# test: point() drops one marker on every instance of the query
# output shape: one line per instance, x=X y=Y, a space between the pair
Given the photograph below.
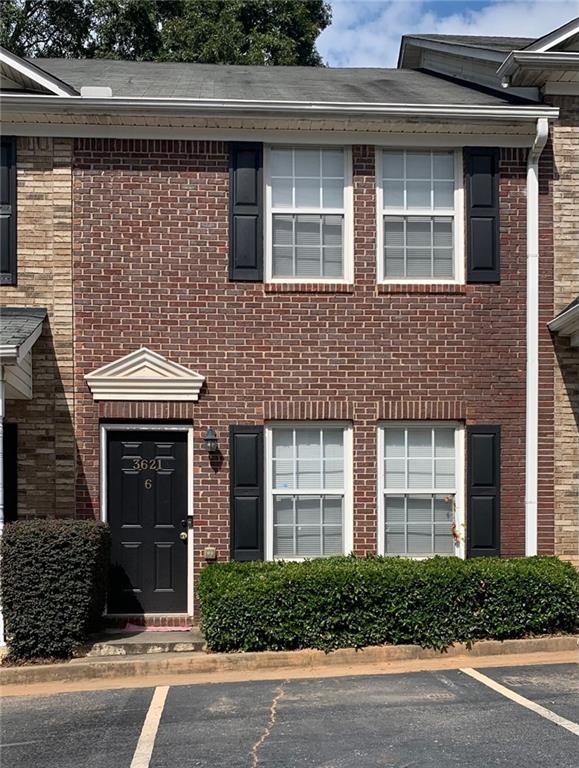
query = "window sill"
x=422 y=288
x=308 y=287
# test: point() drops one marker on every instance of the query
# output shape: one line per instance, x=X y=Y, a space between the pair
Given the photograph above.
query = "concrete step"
x=114 y=643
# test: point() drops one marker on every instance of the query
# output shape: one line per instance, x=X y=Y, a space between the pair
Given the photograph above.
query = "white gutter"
x=78 y=105
x=532 y=383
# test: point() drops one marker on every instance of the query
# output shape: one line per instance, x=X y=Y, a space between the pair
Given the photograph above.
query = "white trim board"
x=144 y=375
x=36 y=75
x=154 y=427
x=523 y=138
x=554 y=38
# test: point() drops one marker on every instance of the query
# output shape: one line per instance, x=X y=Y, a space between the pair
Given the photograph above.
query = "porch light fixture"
x=210 y=441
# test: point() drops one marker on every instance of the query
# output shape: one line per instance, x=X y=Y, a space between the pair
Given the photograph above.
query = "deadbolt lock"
x=183 y=536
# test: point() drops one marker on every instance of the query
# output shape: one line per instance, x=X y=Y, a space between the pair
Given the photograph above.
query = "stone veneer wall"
x=566 y=242
x=46 y=446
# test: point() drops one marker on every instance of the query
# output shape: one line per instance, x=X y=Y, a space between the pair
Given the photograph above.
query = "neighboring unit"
x=546 y=69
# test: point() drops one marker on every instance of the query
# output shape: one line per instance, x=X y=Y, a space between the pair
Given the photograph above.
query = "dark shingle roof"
x=215 y=81
x=489 y=43
x=18 y=323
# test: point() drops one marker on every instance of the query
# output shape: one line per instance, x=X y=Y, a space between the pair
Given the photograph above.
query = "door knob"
x=183 y=536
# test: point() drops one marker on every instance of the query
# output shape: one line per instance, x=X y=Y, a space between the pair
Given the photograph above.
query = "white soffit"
x=144 y=375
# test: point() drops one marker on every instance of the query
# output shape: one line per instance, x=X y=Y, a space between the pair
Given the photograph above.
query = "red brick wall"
x=151 y=268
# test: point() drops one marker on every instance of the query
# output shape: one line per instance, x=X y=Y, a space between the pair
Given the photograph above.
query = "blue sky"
x=366 y=33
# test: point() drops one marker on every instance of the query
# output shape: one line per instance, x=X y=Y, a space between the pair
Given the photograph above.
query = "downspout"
x=532 y=384
x=2 y=397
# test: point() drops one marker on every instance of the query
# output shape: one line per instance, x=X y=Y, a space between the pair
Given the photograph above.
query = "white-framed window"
x=420 y=489
x=309 y=490
x=420 y=216
x=308 y=220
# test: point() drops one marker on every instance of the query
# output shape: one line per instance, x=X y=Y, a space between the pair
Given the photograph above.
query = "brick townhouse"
x=286 y=312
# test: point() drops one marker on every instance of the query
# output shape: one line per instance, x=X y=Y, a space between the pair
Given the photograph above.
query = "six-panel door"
x=147 y=514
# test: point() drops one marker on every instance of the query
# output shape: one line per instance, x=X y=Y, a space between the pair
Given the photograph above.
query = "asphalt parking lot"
x=439 y=718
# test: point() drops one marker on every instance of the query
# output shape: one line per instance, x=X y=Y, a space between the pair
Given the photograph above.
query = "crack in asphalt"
x=279 y=693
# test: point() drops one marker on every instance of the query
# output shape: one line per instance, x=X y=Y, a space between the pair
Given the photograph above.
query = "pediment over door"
x=144 y=375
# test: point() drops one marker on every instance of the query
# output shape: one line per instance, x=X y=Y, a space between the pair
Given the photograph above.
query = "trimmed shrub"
x=347 y=602
x=53 y=585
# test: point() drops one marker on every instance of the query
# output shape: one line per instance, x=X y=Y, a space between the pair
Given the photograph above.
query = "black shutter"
x=245 y=211
x=8 y=211
x=482 y=200
x=483 y=491
x=10 y=461
x=246 y=495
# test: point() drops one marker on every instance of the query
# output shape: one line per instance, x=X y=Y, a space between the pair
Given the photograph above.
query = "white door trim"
x=188 y=428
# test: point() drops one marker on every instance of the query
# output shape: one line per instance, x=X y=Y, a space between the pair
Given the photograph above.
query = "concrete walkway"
x=115 y=643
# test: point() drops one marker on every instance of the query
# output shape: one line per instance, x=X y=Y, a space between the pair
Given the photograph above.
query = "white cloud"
x=366 y=33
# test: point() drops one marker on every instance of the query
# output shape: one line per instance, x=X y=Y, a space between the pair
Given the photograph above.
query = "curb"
x=103 y=668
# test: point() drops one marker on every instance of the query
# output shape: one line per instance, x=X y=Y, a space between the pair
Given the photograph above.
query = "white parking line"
x=537 y=708
x=144 y=750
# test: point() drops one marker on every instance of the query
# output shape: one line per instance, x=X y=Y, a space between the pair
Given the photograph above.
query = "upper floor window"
x=419 y=232
x=308 y=198
x=309 y=506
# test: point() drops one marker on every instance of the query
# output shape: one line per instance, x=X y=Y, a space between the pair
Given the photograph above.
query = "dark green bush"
x=347 y=602
x=53 y=584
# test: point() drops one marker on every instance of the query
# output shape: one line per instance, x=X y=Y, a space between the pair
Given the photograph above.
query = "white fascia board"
x=456 y=49
x=8 y=354
x=531 y=60
x=567 y=323
x=12 y=354
x=523 y=137
x=209 y=107
x=554 y=38
x=43 y=79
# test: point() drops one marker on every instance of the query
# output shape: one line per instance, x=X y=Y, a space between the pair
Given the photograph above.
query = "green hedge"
x=53 y=584
x=347 y=602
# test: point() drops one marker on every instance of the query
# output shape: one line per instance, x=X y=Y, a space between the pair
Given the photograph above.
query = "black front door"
x=147 y=514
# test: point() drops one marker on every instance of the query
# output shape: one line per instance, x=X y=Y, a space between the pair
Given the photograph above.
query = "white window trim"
x=459 y=499
x=347 y=212
x=348 y=530
x=456 y=213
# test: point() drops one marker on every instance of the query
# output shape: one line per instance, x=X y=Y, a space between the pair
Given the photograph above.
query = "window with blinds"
x=307 y=213
x=419 y=486
x=308 y=489
x=418 y=200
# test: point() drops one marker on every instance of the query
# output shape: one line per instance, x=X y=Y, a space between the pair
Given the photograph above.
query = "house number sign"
x=146 y=465
x=141 y=464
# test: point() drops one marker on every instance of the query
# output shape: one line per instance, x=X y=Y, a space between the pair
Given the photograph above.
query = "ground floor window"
x=309 y=490
x=420 y=497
